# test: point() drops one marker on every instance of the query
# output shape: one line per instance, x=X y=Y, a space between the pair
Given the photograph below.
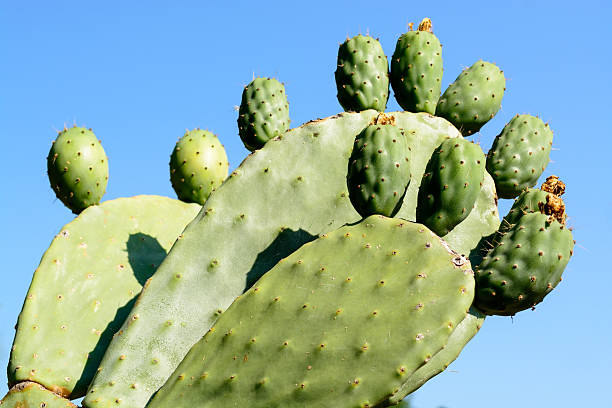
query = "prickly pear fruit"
x=474 y=98
x=527 y=263
x=416 y=69
x=29 y=394
x=451 y=183
x=314 y=332
x=362 y=75
x=78 y=168
x=519 y=155
x=198 y=165
x=85 y=286
x=263 y=113
x=379 y=170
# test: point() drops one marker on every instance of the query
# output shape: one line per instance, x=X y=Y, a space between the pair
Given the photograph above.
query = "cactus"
x=474 y=98
x=78 y=168
x=314 y=332
x=451 y=184
x=527 y=263
x=519 y=155
x=85 y=285
x=379 y=169
x=30 y=394
x=263 y=113
x=198 y=165
x=281 y=197
x=362 y=75
x=297 y=333
x=416 y=69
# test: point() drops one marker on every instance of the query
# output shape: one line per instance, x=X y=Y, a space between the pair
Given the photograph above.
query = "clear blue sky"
x=140 y=73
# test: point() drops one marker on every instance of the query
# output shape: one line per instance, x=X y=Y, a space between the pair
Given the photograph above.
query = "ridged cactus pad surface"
x=282 y=196
x=344 y=321
x=85 y=285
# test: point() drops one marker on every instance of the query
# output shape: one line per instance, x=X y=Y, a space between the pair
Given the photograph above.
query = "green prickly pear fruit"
x=78 y=168
x=313 y=332
x=362 y=75
x=451 y=183
x=263 y=113
x=519 y=155
x=198 y=165
x=379 y=169
x=416 y=69
x=474 y=98
x=527 y=262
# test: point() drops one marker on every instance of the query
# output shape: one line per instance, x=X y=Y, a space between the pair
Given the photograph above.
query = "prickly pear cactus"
x=474 y=98
x=263 y=113
x=78 y=168
x=362 y=75
x=316 y=332
x=281 y=197
x=416 y=69
x=85 y=285
x=198 y=165
x=30 y=394
x=379 y=170
x=519 y=155
x=527 y=263
x=451 y=184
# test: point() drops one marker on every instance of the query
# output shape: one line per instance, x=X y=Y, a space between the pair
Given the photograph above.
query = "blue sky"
x=140 y=73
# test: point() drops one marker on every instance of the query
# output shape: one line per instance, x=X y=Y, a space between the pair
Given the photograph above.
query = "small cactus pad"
x=362 y=75
x=78 y=168
x=379 y=170
x=318 y=332
x=263 y=113
x=416 y=70
x=85 y=285
x=451 y=184
x=198 y=165
x=31 y=395
x=279 y=198
x=526 y=264
x=474 y=98
x=519 y=155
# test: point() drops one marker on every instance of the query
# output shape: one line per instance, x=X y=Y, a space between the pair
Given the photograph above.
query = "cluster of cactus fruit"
x=345 y=263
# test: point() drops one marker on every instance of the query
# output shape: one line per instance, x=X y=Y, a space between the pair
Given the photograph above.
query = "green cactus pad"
x=451 y=184
x=78 y=168
x=280 y=197
x=474 y=98
x=198 y=165
x=379 y=170
x=416 y=70
x=85 y=285
x=31 y=395
x=519 y=155
x=362 y=75
x=263 y=113
x=525 y=266
x=341 y=322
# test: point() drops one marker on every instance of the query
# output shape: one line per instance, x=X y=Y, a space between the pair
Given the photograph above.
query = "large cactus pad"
x=85 y=285
x=344 y=321
x=279 y=198
x=32 y=395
